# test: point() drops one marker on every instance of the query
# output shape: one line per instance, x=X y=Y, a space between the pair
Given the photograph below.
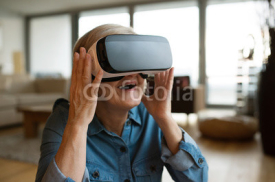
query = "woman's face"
x=125 y=93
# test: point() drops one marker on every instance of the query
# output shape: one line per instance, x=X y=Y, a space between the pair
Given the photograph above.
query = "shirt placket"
x=124 y=153
x=126 y=131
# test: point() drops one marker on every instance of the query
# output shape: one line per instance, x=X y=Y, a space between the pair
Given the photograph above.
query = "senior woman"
x=127 y=137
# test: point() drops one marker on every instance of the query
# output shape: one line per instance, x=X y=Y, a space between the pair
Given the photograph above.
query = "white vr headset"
x=126 y=54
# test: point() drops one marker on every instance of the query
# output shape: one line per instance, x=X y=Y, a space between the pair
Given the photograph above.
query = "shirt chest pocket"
x=148 y=170
x=98 y=173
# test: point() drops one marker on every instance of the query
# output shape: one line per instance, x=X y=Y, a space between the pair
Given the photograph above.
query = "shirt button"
x=122 y=149
x=126 y=180
x=153 y=168
x=128 y=123
x=96 y=174
x=200 y=161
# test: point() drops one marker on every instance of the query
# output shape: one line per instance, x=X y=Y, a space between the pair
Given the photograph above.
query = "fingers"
x=73 y=83
x=157 y=79
x=73 y=77
x=98 y=77
x=94 y=87
x=170 y=79
x=81 y=64
x=167 y=76
x=75 y=62
x=162 y=77
x=81 y=102
x=87 y=69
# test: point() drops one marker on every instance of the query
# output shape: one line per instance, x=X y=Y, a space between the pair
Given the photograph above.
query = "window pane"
x=91 y=19
x=50 y=45
x=173 y=22
x=228 y=25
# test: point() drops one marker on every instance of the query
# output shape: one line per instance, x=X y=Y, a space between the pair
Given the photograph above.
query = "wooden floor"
x=228 y=161
x=10 y=170
x=236 y=161
x=14 y=171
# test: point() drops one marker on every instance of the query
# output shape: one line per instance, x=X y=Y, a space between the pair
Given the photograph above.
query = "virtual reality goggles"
x=126 y=54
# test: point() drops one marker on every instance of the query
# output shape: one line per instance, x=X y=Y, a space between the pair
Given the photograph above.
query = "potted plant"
x=266 y=91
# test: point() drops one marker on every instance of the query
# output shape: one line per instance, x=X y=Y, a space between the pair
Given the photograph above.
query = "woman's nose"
x=132 y=76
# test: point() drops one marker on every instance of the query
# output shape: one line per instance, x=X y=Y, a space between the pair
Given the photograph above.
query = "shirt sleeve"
x=51 y=140
x=188 y=164
x=53 y=173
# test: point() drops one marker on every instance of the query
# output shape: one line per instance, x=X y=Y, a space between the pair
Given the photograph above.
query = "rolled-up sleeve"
x=47 y=170
x=188 y=164
x=53 y=173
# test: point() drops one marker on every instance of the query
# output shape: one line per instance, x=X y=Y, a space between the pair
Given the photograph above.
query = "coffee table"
x=33 y=116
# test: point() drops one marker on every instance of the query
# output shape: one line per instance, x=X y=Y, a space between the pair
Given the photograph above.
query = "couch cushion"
x=51 y=85
x=7 y=101
x=21 y=83
x=37 y=99
x=5 y=83
x=10 y=116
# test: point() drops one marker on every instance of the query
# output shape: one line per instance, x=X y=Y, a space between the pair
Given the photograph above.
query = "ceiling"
x=38 y=7
x=34 y=7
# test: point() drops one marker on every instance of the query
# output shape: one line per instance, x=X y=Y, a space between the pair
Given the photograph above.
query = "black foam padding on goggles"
x=144 y=76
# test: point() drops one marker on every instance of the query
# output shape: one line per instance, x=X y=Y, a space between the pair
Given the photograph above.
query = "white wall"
x=13 y=40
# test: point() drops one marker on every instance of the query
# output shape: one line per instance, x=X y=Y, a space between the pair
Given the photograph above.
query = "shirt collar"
x=134 y=116
x=96 y=126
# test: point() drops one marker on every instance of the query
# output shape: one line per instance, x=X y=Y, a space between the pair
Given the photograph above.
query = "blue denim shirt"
x=137 y=156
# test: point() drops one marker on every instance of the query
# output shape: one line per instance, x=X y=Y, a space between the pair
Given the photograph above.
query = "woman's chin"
x=131 y=96
x=130 y=103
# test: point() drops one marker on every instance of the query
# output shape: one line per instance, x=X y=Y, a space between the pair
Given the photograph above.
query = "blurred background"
x=222 y=54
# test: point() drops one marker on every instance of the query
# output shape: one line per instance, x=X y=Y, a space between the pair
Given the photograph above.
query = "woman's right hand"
x=82 y=101
x=71 y=155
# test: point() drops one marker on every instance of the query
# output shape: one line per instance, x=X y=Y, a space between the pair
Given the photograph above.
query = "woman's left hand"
x=159 y=104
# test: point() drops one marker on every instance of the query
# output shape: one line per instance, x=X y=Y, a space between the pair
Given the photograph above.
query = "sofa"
x=22 y=89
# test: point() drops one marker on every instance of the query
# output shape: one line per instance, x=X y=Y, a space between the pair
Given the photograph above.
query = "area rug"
x=17 y=147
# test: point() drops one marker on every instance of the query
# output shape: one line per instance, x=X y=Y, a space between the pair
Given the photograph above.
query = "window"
x=91 y=19
x=178 y=22
x=50 y=45
x=228 y=25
